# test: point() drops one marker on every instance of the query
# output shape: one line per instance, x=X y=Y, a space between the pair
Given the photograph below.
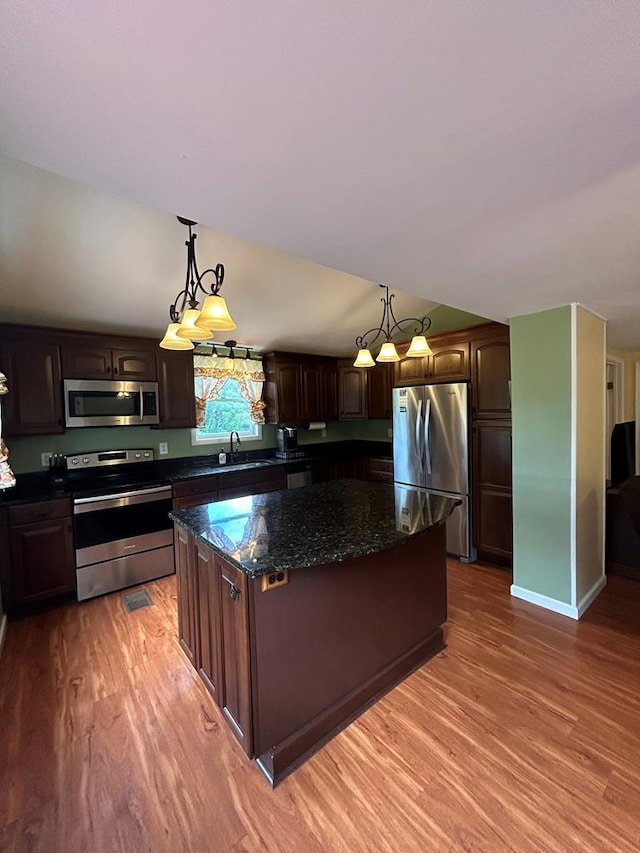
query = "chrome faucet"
x=231 y=451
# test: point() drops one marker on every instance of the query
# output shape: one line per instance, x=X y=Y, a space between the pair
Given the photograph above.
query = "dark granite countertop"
x=314 y=525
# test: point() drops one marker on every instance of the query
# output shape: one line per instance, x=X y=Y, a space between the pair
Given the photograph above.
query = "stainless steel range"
x=123 y=535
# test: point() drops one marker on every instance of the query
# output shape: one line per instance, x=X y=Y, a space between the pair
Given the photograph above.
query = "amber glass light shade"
x=188 y=329
x=215 y=315
x=388 y=352
x=172 y=341
x=419 y=347
x=364 y=359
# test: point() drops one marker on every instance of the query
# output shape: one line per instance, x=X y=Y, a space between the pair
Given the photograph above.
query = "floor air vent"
x=135 y=600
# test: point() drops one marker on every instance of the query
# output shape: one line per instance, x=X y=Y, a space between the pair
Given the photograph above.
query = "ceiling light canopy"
x=388 y=327
x=189 y=322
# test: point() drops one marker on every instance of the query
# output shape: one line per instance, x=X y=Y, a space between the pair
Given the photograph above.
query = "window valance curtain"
x=211 y=374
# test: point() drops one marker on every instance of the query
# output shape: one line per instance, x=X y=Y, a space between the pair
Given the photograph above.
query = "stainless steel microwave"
x=100 y=403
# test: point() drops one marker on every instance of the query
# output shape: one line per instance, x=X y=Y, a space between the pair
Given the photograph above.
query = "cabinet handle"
x=115 y=370
x=108 y=369
x=234 y=592
x=43 y=514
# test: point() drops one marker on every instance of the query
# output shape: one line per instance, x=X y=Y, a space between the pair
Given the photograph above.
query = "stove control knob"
x=86 y=460
x=75 y=460
x=147 y=455
x=138 y=456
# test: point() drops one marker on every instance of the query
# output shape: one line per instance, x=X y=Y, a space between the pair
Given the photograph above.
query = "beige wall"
x=590 y=450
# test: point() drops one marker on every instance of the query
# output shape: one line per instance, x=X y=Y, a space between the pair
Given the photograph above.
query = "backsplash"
x=25 y=451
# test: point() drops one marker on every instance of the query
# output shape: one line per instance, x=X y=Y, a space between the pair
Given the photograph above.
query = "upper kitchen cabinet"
x=31 y=364
x=86 y=361
x=299 y=388
x=176 y=390
x=352 y=391
x=449 y=361
x=491 y=375
x=379 y=383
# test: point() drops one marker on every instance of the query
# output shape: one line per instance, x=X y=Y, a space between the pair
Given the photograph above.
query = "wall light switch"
x=390 y=432
x=324 y=433
x=163 y=448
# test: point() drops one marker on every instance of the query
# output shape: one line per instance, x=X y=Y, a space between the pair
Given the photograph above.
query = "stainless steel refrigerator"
x=431 y=452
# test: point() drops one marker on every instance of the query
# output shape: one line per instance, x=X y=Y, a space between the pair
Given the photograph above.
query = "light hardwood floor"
x=524 y=735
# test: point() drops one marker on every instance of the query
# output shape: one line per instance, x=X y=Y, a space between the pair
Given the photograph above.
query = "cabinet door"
x=176 y=389
x=379 y=383
x=34 y=403
x=210 y=663
x=134 y=364
x=311 y=373
x=449 y=363
x=491 y=379
x=236 y=696
x=187 y=581
x=329 y=392
x=410 y=371
x=288 y=380
x=42 y=561
x=352 y=391
x=492 y=525
x=83 y=361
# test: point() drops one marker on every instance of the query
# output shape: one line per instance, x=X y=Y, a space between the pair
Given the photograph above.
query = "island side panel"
x=336 y=636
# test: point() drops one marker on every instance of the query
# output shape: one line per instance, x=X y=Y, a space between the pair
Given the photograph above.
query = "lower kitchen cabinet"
x=381 y=471
x=187 y=582
x=41 y=557
x=236 y=683
x=209 y=662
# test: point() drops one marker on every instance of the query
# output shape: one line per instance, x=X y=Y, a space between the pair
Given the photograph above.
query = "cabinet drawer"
x=196 y=486
x=381 y=477
x=39 y=511
x=383 y=465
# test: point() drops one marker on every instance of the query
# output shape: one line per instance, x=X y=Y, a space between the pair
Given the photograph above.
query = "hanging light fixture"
x=418 y=348
x=188 y=322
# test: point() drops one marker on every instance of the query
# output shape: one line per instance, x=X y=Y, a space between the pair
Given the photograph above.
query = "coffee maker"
x=287 y=438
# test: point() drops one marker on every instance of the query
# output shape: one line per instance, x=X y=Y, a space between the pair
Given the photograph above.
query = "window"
x=228 y=398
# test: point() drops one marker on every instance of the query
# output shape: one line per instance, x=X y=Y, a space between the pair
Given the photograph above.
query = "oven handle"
x=137 y=496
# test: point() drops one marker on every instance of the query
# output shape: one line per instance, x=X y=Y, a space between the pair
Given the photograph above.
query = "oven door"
x=112 y=526
x=110 y=403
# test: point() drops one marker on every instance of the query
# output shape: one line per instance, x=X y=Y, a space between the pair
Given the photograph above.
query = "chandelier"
x=418 y=348
x=189 y=322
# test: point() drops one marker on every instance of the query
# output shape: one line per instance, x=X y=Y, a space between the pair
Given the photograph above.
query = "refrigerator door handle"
x=427 y=449
x=418 y=435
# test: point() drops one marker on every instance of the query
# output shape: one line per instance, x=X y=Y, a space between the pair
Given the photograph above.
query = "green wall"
x=541 y=409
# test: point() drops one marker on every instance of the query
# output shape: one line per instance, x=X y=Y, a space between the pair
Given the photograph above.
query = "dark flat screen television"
x=623 y=452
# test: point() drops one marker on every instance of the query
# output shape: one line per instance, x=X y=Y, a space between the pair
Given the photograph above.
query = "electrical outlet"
x=275 y=579
x=163 y=448
x=324 y=433
x=44 y=458
x=390 y=432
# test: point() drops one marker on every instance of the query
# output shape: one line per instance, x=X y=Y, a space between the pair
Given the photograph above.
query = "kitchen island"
x=300 y=608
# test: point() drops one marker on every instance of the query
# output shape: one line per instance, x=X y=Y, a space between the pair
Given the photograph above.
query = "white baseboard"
x=591 y=596
x=544 y=601
x=3 y=630
x=560 y=606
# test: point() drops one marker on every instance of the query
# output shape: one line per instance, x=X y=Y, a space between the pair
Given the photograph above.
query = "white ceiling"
x=484 y=155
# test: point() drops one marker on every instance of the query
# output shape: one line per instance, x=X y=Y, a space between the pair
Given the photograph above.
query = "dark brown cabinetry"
x=199 y=490
x=299 y=388
x=492 y=511
x=491 y=446
x=32 y=368
x=176 y=389
x=36 y=360
x=209 y=662
x=228 y=484
x=379 y=382
x=42 y=566
x=449 y=362
x=86 y=361
x=234 y=612
x=381 y=471
x=352 y=391
x=187 y=583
